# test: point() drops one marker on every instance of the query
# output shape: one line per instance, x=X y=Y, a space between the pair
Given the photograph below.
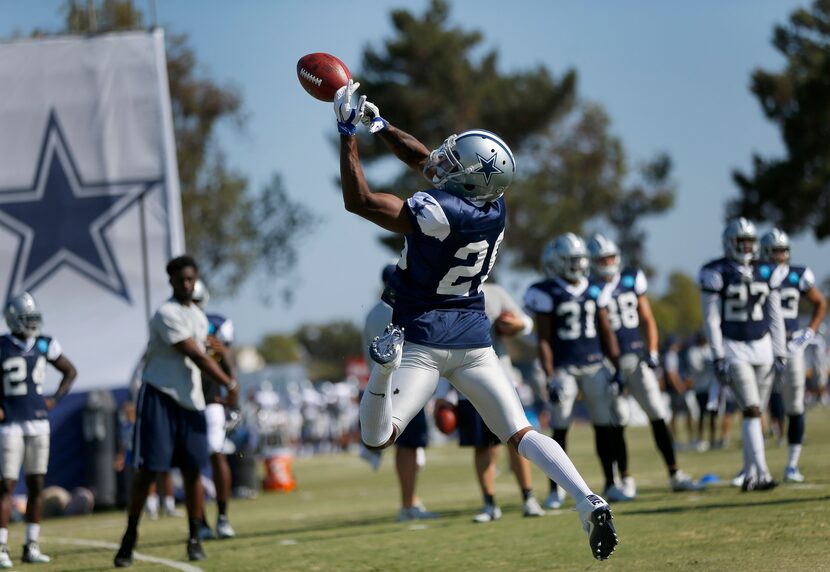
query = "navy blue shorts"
x=472 y=431
x=166 y=434
x=415 y=435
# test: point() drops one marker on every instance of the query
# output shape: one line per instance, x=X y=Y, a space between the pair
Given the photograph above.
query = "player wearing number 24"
x=742 y=318
x=24 y=426
x=452 y=233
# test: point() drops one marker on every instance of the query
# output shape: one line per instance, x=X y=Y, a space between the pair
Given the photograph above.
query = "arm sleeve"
x=428 y=215
x=171 y=325
x=710 y=280
x=55 y=350
x=776 y=326
x=778 y=275
x=711 y=322
x=537 y=301
x=604 y=298
x=640 y=283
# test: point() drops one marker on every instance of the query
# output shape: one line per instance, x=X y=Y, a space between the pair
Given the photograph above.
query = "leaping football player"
x=742 y=319
x=452 y=233
x=629 y=311
x=799 y=281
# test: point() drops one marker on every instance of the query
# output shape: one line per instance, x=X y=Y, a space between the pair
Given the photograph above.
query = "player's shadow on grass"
x=721 y=505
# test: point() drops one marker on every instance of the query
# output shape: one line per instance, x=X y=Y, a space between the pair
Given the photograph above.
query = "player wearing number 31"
x=452 y=233
x=743 y=321
x=24 y=426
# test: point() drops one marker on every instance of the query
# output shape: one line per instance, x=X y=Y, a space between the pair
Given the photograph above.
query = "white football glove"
x=372 y=119
x=800 y=340
x=348 y=114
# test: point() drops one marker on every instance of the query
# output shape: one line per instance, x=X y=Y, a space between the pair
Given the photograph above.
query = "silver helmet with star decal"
x=476 y=165
x=23 y=316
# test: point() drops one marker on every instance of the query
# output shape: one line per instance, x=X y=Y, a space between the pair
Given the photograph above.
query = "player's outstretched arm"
x=402 y=144
x=208 y=367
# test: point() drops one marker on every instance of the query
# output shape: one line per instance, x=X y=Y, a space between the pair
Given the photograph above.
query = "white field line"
x=112 y=546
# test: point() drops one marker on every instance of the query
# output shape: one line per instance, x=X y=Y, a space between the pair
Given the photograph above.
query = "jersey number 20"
x=460 y=279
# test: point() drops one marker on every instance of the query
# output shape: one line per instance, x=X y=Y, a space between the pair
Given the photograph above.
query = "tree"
x=280 y=348
x=794 y=191
x=678 y=310
x=328 y=346
x=434 y=79
x=230 y=229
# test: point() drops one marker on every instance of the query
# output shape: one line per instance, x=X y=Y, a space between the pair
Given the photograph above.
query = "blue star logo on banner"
x=63 y=220
x=487 y=167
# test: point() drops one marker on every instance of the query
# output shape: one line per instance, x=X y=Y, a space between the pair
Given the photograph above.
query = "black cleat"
x=124 y=556
x=597 y=521
x=195 y=550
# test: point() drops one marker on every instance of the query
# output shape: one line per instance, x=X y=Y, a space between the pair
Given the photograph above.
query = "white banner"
x=89 y=195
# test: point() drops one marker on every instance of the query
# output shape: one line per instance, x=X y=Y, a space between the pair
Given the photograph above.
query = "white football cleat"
x=595 y=515
x=615 y=494
x=387 y=348
x=5 y=559
x=532 y=508
x=738 y=480
x=372 y=457
x=793 y=475
x=681 y=482
x=489 y=513
x=33 y=555
x=629 y=487
x=554 y=501
x=415 y=512
x=224 y=528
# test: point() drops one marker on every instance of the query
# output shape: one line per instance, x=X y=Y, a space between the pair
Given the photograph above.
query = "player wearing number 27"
x=452 y=233
x=24 y=426
x=742 y=317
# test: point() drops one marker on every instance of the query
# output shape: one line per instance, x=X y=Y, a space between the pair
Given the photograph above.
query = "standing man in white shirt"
x=170 y=425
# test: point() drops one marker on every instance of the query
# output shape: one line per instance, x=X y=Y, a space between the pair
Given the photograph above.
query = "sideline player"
x=628 y=311
x=799 y=281
x=742 y=318
x=170 y=425
x=24 y=425
x=571 y=334
x=219 y=340
x=452 y=232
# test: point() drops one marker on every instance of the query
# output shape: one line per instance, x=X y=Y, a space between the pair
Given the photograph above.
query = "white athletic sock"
x=376 y=408
x=793 y=456
x=152 y=503
x=32 y=532
x=546 y=454
x=4 y=536
x=169 y=503
x=746 y=444
x=755 y=435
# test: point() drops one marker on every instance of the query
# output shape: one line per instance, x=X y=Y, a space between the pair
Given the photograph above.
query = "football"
x=321 y=75
x=445 y=419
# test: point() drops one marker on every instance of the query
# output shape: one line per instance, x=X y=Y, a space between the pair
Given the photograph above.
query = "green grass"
x=342 y=517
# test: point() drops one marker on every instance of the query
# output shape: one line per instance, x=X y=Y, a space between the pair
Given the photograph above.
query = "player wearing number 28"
x=742 y=317
x=24 y=426
x=452 y=233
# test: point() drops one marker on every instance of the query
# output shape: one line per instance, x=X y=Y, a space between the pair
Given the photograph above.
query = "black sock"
x=223 y=508
x=490 y=500
x=561 y=437
x=604 y=441
x=195 y=524
x=664 y=441
x=132 y=525
x=527 y=493
x=620 y=450
x=795 y=430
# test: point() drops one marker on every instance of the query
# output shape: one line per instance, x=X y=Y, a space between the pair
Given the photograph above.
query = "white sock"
x=169 y=503
x=755 y=434
x=746 y=443
x=152 y=503
x=793 y=456
x=376 y=408
x=546 y=454
x=4 y=536
x=32 y=532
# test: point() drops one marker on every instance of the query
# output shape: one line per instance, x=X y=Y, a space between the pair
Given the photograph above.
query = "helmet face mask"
x=605 y=257
x=740 y=241
x=566 y=257
x=476 y=165
x=23 y=315
x=201 y=295
x=775 y=246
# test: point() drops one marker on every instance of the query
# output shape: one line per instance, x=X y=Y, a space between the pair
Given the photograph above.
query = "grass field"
x=342 y=517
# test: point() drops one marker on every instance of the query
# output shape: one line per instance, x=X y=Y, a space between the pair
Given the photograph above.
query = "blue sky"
x=673 y=76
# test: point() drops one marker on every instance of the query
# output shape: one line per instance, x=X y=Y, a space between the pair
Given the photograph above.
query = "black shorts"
x=415 y=435
x=167 y=435
x=472 y=431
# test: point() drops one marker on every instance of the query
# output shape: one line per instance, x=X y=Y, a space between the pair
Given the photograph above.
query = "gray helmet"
x=566 y=257
x=600 y=247
x=23 y=316
x=475 y=165
x=201 y=295
x=776 y=239
x=736 y=230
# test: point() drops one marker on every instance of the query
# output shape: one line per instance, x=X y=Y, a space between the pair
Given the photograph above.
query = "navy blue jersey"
x=573 y=315
x=744 y=295
x=221 y=328
x=623 y=308
x=436 y=289
x=799 y=280
x=24 y=371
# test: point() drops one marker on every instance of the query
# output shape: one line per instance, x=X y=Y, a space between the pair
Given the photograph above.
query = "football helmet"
x=23 y=316
x=736 y=232
x=600 y=247
x=566 y=257
x=776 y=239
x=201 y=295
x=475 y=165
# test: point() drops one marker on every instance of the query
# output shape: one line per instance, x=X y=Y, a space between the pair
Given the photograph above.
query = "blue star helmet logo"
x=594 y=291
x=487 y=167
x=63 y=220
x=765 y=271
x=793 y=277
x=628 y=281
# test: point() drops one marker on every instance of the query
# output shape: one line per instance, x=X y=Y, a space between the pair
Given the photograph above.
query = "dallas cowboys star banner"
x=89 y=198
